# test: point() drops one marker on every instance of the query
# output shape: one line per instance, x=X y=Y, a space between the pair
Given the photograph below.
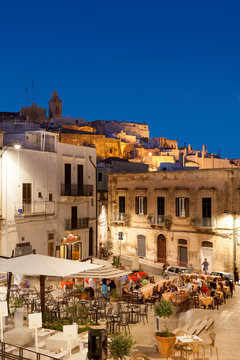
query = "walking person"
x=205 y=266
x=236 y=276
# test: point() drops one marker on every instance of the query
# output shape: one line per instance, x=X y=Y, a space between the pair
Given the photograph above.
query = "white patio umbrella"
x=41 y=265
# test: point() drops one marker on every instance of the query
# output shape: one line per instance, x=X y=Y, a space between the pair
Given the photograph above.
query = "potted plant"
x=17 y=303
x=164 y=309
x=120 y=345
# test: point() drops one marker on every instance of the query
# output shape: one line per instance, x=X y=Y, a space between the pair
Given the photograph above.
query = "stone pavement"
x=226 y=326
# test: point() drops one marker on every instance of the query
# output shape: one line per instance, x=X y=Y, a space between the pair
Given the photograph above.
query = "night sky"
x=173 y=64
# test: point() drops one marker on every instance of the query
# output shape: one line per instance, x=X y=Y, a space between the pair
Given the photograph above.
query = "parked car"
x=176 y=270
x=223 y=274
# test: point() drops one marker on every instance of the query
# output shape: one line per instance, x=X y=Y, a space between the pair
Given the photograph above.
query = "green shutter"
x=145 y=205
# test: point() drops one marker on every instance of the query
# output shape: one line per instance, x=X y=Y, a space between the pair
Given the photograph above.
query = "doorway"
x=183 y=255
x=161 y=249
x=80 y=180
x=90 y=241
x=141 y=245
x=74 y=218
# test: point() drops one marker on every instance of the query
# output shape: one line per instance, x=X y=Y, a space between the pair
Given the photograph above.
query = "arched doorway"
x=90 y=246
x=161 y=248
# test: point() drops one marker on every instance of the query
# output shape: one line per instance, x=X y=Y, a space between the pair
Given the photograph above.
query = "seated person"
x=204 y=291
x=198 y=282
x=188 y=286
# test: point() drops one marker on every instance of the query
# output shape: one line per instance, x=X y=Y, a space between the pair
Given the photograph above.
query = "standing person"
x=205 y=266
x=104 y=288
x=91 y=286
x=236 y=276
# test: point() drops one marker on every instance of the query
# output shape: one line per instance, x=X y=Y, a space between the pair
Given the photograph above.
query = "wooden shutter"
x=136 y=205
x=145 y=205
x=186 y=204
x=177 y=206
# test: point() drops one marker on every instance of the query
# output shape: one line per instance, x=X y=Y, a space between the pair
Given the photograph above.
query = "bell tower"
x=55 y=106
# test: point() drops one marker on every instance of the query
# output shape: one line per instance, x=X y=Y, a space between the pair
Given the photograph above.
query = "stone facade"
x=110 y=127
x=105 y=147
x=33 y=113
x=177 y=216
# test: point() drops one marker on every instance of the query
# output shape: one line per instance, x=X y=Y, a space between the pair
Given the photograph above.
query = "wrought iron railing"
x=35 y=208
x=72 y=224
x=156 y=219
x=119 y=217
x=14 y=352
x=76 y=190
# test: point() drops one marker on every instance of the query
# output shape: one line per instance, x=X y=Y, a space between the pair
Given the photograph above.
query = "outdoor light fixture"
x=234 y=214
x=16 y=146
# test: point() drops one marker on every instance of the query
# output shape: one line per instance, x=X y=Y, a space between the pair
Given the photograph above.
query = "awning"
x=105 y=272
x=35 y=264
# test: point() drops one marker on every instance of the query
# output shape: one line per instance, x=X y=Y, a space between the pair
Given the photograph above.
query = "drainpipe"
x=90 y=159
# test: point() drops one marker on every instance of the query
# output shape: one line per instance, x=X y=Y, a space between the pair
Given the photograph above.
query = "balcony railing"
x=76 y=224
x=156 y=219
x=76 y=190
x=119 y=217
x=35 y=208
x=207 y=222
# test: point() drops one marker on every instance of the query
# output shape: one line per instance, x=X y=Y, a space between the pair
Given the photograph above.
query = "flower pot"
x=163 y=344
x=18 y=317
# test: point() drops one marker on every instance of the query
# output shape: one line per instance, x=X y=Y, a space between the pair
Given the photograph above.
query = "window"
x=160 y=206
x=182 y=207
x=141 y=205
x=121 y=201
x=110 y=150
x=50 y=197
x=27 y=193
x=100 y=176
x=207 y=244
x=51 y=236
x=206 y=207
x=182 y=242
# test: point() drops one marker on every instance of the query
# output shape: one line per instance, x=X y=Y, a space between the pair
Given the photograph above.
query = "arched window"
x=182 y=242
x=120 y=235
x=207 y=244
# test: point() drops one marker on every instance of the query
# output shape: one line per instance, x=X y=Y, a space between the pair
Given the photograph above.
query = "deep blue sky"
x=173 y=64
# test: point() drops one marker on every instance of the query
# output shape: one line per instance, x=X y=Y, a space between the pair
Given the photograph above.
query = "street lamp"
x=234 y=214
x=16 y=146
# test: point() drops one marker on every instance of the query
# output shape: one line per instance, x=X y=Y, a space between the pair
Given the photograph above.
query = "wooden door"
x=161 y=248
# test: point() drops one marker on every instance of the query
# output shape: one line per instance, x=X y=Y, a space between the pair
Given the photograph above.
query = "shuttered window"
x=121 y=201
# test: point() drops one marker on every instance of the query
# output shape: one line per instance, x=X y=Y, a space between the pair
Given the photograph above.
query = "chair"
x=196 y=301
x=124 y=322
x=212 y=345
x=136 y=297
x=192 y=350
x=143 y=313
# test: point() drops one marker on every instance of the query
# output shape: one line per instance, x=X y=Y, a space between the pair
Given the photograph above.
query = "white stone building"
x=48 y=197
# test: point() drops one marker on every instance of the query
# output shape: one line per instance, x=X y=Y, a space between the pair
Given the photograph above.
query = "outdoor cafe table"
x=187 y=340
x=131 y=308
x=206 y=301
x=147 y=290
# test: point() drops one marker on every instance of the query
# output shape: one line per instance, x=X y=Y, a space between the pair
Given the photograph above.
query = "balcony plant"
x=164 y=309
x=120 y=346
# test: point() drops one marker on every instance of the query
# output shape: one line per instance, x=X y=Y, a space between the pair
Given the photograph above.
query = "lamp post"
x=234 y=214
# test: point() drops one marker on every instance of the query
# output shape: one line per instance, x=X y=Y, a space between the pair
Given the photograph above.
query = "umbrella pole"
x=9 y=280
x=42 y=293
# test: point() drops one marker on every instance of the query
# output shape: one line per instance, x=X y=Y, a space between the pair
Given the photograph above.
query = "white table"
x=83 y=340
x=60 y=355
x=187 y=339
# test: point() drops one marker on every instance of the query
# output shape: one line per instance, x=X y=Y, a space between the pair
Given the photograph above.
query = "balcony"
x=76 y=224
x=119 y=218
x=204 y=223
x=156 y=220
x=34 y=208
x=76 y=190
